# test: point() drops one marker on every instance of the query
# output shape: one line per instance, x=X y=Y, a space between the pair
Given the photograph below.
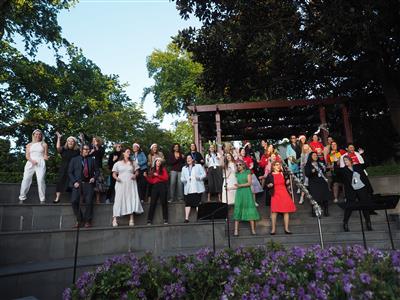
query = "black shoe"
x=288 y=232
x=272 y=233
x=186 y=221
x=345 y=227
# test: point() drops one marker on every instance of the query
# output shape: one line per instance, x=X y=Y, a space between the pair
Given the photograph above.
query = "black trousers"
x=111 y=188
x=87 y=190
x=158 y=191
x=142 y=185
x=362 y=195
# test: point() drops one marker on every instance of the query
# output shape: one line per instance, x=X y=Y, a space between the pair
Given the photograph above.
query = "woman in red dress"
x=281 y=202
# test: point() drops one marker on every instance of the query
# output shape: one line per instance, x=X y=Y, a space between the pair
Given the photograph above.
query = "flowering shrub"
x=247 y=273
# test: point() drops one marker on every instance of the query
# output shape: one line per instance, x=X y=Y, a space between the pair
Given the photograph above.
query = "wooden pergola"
x=265 y=119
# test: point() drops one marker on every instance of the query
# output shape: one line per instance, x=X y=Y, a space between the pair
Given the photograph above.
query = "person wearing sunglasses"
x=245 y=208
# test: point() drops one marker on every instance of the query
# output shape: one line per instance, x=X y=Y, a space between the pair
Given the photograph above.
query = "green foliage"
x=34 y=20
x=182 y=134
x=176 y=80
x=384 y=170
x=247 y=273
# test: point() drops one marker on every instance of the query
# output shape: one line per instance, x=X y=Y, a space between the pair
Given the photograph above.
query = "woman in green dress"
x=245 y=209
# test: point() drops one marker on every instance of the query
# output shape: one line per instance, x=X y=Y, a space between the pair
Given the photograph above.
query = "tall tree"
x=34 y=20
x=263 y=49
x=175 y=77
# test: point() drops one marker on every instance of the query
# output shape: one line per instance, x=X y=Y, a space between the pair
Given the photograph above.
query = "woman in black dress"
x=356 y=188
x=67 y=152
x=315 y=170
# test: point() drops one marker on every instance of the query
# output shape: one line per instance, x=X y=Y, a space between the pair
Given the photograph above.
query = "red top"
x=153 y=179
x=330 y=157
x=263 y=161
x=353 y=157
x=315 y=145
x=249 y=162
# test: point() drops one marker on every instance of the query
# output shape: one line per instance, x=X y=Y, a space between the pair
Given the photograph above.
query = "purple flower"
x=365 y=278
x=368 y=294
x=347 y=287
x=350 y=263
x=319 y=274
x=236 y=270
x=67 y=294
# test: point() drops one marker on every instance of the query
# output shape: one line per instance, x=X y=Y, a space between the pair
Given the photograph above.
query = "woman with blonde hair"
x=36 y=154
x=67 y=152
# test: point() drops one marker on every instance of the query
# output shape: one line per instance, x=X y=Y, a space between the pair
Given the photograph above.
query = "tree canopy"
x=292 y=49
x=175 y=77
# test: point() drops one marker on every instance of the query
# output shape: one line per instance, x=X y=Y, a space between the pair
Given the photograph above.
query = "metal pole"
x=213 y=234
x=362 y=230
x=390 y=230
x=227 y=206
x=321 y=240
x=76 y=252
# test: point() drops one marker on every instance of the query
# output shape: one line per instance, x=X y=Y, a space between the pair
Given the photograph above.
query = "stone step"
x=16 y=217
x=47 y=245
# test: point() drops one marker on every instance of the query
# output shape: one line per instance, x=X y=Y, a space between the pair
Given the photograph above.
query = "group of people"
x=233 y=176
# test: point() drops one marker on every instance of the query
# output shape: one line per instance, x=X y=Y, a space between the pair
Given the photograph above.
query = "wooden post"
x=346 y=122
x=195 y=124
x=218 y=126
x=322 y=118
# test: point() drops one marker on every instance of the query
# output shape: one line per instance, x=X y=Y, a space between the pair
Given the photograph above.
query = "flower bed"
x=247 y=273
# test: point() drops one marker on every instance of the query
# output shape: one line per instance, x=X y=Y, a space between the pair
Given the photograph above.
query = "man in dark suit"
x=82 y=173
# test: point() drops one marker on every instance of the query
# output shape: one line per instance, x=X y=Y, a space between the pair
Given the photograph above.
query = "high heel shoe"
x=114 y=223
x=56 y=200
x=272 y=233
x=288 y=232
x=253 y=233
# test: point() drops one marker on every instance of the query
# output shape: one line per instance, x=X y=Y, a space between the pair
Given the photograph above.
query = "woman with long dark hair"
x=158 y=179
x=176 y=161
x=315 y=170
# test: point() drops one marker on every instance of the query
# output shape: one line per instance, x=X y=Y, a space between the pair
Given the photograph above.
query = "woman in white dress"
x=229 y=174
x=126 y=200
x=36 y=155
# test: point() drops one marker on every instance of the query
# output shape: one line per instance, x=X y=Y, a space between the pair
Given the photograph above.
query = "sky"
x=118 y=35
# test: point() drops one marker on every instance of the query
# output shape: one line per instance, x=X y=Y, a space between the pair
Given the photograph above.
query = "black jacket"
x=347 y=176
x=75 y=169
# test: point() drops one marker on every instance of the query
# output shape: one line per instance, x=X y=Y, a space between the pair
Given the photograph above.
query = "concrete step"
x=20 y=217
x=47 y=245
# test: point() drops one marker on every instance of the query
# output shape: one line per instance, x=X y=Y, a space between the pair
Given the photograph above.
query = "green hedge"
x=387 y=169
x=16 y=177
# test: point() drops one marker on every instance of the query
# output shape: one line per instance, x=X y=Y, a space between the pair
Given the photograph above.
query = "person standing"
x=305 y=151
x=229 y=174
x=357 y=188
x=195 y=154
x=97 y=152
x=153 y=154
x=281 y=202
x=176 y=161
x=83 y=172
x=315 y=170
x=315 y=143
x=36 y=154
x=245 y=208
x=112 y=159
x=192 y=177
x=293 y=153
x=126 y=200
x=139 y=157
x=67 y=152
x=333 y=162
x=158 y=179
x=214 y=174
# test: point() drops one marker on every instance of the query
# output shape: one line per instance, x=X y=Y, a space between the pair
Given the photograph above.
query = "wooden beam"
x=195 y=124
x=264 y=104
x=347 y=125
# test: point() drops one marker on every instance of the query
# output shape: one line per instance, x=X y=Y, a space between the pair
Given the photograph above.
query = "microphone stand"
x=227 y=202
x=317 y=209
